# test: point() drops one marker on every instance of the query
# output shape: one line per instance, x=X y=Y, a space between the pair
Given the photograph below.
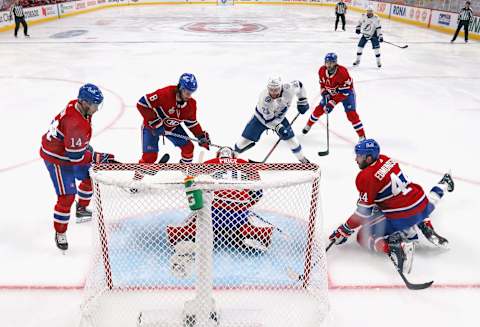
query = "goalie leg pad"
x=176 y=234
x=259 y=233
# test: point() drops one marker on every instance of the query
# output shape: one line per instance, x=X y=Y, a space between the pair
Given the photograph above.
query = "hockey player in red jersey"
x=68 y=156
x=336 y=86
x=390 y=206
x=163 y=111
x=232 y=217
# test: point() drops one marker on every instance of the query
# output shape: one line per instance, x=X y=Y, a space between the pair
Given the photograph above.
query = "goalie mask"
x=226 y=152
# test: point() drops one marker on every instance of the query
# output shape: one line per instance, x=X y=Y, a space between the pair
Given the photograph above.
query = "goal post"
x=233 y=245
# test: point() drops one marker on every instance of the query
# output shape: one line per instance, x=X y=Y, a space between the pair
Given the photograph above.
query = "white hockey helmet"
x=226 y=152
x=274 y=85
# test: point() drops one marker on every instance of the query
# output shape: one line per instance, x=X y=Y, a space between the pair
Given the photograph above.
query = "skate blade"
x=81 y=220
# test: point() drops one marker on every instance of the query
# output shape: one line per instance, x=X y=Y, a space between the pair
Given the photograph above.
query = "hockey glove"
x=341 y=234
x=302 y=105
x=204 y=140
x=99 y=157
x=357 y=31
x=156 y=123
x=380 y=38
x=329 y=106
x=283 y=132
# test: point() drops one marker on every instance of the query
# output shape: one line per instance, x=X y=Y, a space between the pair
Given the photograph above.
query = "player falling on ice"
x=336 y=86
x=163 y=111
x=68 y=156
x=232 y=219
x=371 y=30
x=390 y=208
x=270 y=112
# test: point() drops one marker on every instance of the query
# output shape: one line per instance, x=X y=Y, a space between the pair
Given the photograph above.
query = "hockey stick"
x=327 y=151
x=396 y=45
x=269 y=223
x=301 y=278
x=411 y=286
x=274 y=146
x=145 y=170
x=184 y=137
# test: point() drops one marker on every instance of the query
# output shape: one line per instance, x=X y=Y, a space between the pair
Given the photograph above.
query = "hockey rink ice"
x=422 y=106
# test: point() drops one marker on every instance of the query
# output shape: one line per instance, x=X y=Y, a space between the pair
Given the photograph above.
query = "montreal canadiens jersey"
x=238 y=199
x=67 y=139
x=270 y=112
x=163 y=104
x=383 y=184
x=370 y=26
x=338 y=84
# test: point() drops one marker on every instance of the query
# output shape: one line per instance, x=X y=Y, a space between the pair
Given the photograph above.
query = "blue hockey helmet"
x=331 y=57
x=187 y=82
x=91 y=94
x=368 y=147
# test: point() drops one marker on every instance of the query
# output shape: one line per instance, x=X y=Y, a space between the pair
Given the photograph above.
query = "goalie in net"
x=232 y=219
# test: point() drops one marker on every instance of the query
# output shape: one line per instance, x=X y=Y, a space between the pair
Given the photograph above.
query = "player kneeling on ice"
x=234 y=224
x=163 y=112
x=270 y=113
x=390 y=208
x=68 y=156
x=371 y=30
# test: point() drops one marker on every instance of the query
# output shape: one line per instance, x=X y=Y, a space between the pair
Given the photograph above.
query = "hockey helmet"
x=332 y=57
x=91 y=94
x=187 y=82
x=226 y=152
x=368 y=147
x=274 y=85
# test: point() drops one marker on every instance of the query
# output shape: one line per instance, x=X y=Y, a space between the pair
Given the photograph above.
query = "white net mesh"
x=252 y=255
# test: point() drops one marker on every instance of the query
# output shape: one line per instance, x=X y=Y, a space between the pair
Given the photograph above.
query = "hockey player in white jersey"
x=270 y=113
x=371 y=30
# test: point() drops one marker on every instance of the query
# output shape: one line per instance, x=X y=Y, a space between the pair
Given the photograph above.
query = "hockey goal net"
x=234 y=245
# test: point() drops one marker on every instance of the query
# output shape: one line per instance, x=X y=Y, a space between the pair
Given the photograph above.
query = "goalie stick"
x=274 y=146
x=327 y=151
x=396 y=45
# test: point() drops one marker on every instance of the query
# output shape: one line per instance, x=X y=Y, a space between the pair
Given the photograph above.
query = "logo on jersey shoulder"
x=268 y=99
x=171 y=122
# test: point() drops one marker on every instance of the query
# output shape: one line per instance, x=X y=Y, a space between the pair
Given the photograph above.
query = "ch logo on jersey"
x=171 y=122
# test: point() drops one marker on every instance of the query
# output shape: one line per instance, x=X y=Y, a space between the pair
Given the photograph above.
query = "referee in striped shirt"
x=17 y=12
x=340 y=10
x=465 y=16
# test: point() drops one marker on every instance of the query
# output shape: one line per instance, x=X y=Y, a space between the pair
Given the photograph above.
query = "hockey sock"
x=61 y=214
x=147 y=157
x=436 y=193
x=353 y=117
x=359 y=54
x=187 y=153
x=85 y=192
x=372 y=242
x=316 y=114
x=377 y=55
x=296 y=147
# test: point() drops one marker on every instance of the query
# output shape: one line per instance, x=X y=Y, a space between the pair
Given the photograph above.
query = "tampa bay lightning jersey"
x=370 y=26
x=270 y=112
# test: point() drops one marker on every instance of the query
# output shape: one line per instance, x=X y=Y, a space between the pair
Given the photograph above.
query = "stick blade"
x=422 y=286
x=323 y=153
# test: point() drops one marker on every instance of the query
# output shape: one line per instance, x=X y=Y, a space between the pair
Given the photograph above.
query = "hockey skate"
x=432 y=236
x=401 y=252
x=83 y=214
x=447 y=179
x=306 y=129
x=61 y=241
